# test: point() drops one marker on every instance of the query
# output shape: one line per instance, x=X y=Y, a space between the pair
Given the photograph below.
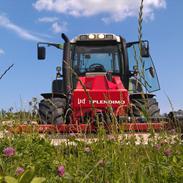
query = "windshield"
x=96 y=59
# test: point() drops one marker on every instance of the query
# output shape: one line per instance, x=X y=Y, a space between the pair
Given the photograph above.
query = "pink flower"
x=157 y=146
x=168 y=152
x=19 y=171
x=9 y=151
x=111 y=137
x=72 y=134
x=61 y=171
x=173 y=131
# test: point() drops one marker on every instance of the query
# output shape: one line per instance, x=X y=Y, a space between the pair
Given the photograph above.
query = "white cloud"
x=56 y=25
x=114 y=10
x=59 y=27
x=21 y=32
x=1 y=51
x=48 y=19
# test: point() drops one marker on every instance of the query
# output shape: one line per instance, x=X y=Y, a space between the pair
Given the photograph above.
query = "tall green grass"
x=109 y=158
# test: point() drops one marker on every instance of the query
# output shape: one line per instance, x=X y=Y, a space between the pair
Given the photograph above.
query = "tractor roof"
x=96 y=37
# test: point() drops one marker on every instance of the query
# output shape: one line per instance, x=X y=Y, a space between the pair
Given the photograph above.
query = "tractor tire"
x=176 y=119
x=51 y=111
x=145 y=107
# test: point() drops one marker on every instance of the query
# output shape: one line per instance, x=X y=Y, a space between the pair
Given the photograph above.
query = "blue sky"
x=24 y=23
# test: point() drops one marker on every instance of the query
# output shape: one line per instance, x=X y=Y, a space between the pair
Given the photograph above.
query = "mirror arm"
x=59 y=46
x=129 y=44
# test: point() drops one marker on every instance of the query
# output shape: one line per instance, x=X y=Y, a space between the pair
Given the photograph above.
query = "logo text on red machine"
x=109 y=102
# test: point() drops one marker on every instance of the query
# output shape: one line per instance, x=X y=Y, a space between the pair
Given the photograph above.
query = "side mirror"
x=145 y=50
x=41 y=53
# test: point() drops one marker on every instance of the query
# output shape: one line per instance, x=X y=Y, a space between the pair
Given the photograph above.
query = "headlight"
x=101 y=36
x=91 y=36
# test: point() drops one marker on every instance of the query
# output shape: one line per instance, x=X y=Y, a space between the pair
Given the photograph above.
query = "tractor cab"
x=108 y=53
x=97 y=53
x=95 y=57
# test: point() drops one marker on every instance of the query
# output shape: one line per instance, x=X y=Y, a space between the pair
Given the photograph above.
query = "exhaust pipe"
x=66 y=64
x=65 y=38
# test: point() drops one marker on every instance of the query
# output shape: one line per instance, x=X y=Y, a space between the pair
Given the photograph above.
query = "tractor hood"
x=95 y=90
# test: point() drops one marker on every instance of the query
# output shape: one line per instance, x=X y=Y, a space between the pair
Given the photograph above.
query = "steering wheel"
x=96 y=67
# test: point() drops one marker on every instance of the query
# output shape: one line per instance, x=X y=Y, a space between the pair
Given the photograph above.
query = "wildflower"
x=19 y=171
x=167 y=152
x=101 y=162
x=61 y=170
x=111 y=137
x=157 y=146
x=87 y=149
x=163 y=142
x=173 y=131
x=9 y=151
x=72 y=135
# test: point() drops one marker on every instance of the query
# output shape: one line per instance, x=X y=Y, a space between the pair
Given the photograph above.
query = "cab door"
x=142 y=68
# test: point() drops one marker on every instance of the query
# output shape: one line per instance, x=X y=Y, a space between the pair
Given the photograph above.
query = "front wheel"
x=51 y=111
x=145 y=107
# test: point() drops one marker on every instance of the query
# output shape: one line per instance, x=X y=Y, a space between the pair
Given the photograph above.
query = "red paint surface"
x=99 y=93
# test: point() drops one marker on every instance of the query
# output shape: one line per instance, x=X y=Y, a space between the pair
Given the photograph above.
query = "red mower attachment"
x=89 y=128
